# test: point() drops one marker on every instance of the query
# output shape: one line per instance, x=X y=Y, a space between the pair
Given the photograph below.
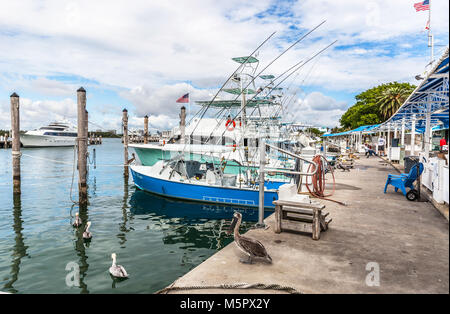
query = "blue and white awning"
x=433 y=91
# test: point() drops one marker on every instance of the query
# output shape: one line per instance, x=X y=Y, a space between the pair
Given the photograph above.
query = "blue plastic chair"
x=404 y=180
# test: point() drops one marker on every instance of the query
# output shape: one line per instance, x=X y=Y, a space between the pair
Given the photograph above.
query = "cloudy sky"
x=143 y=55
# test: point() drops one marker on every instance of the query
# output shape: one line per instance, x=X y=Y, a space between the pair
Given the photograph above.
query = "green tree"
x=392 y=98
x=368 y=110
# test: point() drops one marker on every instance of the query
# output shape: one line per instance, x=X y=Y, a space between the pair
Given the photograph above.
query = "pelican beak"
x=233 y=224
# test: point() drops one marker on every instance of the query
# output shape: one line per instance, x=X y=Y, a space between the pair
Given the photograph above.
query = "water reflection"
x=188 y=224
x=20 y=249
x=80 y=247
x=123 y=225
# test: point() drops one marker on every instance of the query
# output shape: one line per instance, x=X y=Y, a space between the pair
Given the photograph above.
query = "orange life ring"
x=230 y=125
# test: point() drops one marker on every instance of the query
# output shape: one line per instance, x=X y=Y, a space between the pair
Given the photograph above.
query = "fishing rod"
x=270 y=63
x=303 y=81
x=235 y=71
x=296 y=67
x=253 y=79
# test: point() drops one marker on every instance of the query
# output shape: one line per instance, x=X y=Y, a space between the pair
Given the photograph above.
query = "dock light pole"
x=262 y=162
x=82 y=145
x=388 y=142
x=146 y=129
x=413 y=136
x=15 y=133
x=125 y=142
x=427 y=135
x=403 y=132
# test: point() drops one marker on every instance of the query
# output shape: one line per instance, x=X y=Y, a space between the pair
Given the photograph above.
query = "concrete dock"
x=408 y=240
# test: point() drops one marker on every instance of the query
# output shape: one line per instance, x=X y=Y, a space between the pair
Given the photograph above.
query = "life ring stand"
x=230 y=125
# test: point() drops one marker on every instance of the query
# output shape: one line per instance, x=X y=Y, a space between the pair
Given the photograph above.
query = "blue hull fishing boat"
x=205 y=187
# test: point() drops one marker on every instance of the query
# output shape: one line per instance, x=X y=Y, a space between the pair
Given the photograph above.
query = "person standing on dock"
x=381 y=143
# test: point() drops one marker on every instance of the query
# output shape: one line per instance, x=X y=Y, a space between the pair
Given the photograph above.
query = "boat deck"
x=408 y=240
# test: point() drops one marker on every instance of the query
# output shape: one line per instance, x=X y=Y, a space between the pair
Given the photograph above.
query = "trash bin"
x=410 y=161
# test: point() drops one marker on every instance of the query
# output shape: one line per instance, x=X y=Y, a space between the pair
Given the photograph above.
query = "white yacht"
x=53 y=134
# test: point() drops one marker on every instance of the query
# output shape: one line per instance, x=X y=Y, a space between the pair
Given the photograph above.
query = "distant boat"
x=53 y=134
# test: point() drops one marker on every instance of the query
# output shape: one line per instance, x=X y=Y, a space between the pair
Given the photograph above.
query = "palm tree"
x=391 y=99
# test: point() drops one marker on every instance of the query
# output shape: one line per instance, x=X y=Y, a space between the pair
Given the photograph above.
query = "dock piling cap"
x=81 y=89
x=14 y=95
x=124 y=110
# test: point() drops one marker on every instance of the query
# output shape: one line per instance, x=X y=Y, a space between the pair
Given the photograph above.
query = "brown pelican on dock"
x=77 y=221
x=117 y=270
x=252 y=248
x=87 y=235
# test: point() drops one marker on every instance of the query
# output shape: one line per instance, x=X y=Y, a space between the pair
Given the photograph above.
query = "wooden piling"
x=146 y=130
x=82 y=145
x=182 y=124
x=15 y=132
x=125 y=141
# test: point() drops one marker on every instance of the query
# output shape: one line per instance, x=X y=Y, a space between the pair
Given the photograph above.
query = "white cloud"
x=316 y=109
x=153 y=101
x=34 y=113
x=146 y=48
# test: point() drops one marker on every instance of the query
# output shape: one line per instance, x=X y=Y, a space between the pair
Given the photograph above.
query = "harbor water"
x=156 y=239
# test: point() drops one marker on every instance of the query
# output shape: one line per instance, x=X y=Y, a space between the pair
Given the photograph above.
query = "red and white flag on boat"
x=184 y=98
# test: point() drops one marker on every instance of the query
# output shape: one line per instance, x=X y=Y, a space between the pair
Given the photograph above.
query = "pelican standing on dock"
x=252 y=248
x=117 y=270
x=87 y=235
x=77 y=221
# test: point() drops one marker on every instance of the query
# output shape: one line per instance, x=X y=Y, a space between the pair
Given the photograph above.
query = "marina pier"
x=241 y=147
x=407 y=240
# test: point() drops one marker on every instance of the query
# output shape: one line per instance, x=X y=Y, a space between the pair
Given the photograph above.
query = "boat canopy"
x=237 y=91
x=245 y=59
x=267 y=77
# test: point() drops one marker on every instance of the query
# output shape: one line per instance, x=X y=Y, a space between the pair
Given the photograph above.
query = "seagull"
x=252 y=248
x=117 y=270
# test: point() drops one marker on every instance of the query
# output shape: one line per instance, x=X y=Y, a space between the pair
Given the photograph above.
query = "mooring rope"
x=260 y=286
x=318 y=181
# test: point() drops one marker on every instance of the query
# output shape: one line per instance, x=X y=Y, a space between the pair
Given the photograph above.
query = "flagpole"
x=189 y=93
x=430 y=34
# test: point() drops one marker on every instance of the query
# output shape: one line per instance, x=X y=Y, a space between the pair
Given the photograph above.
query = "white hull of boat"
x=28 y=140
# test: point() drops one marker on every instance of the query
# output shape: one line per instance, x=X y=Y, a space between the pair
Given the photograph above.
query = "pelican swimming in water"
x=117 y=270
x=77 y=221
x=87 y=235
x=252 y=248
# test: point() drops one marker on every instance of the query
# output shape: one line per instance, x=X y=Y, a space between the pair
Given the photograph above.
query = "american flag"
x=422 y=6
x=184 y=98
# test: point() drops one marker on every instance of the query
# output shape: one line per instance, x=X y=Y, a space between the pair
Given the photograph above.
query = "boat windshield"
x=52 y=128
